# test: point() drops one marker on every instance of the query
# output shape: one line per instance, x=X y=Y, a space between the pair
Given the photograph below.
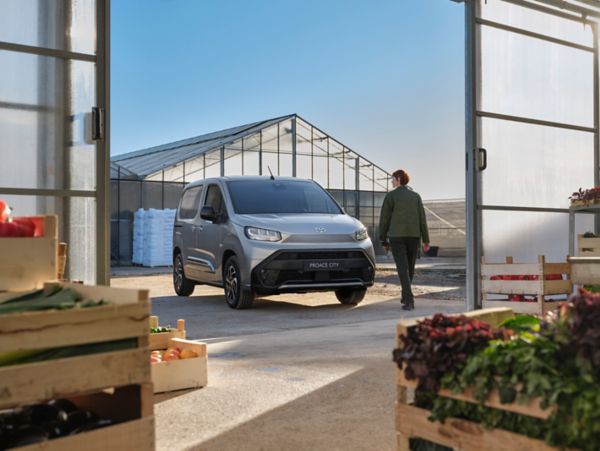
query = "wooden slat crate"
x=539 y=288
x=412 y=422
x=27 y=263
x=585 y=270
x=86 y=376
x=161 y=340
x=181 y=374
x=588 y=247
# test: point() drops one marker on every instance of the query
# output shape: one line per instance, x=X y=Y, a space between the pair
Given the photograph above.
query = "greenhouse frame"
x=284 y=146
x=532 y=127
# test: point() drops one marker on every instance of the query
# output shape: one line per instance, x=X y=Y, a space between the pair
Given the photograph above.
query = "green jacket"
x=403 y=215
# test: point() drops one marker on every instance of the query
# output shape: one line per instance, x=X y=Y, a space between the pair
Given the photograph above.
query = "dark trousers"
x=405 y=251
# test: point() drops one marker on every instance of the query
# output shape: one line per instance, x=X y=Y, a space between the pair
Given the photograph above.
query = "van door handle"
x=482 y=154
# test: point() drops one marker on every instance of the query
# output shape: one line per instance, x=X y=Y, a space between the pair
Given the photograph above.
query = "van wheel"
x=235 y=296
x=350 y=296
x=183 y=286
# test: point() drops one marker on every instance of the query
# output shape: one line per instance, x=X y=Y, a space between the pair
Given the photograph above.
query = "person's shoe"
x=408 y=307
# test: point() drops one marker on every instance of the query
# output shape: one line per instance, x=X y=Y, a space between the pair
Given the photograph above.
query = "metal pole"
x=312 y=152
x=596 y=121
x=260 y=156
x=357 y=186
x=103 y=145
x=473 y=215
x=222 y=161
x=294 y=146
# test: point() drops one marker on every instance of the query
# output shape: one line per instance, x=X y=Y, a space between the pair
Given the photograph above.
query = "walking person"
x=402 y=225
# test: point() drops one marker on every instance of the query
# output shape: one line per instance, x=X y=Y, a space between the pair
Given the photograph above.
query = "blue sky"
x=385 y=78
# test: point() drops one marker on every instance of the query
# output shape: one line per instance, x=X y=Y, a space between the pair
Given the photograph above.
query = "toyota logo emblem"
x=320 y=229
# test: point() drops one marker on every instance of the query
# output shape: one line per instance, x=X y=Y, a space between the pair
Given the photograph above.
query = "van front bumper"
x=298 y=271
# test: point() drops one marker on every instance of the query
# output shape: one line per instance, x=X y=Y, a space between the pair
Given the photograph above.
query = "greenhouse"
x=284 y=146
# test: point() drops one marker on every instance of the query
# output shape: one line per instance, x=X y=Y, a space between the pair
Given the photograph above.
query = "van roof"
x=231 y=178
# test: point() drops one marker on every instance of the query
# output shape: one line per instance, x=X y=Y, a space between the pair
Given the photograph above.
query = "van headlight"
x=256 y=233
x=361 y=234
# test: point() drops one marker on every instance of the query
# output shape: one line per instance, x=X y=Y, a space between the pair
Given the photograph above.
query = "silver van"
x=268 y=235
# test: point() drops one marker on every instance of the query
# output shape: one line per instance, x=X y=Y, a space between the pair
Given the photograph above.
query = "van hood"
x=322 y=224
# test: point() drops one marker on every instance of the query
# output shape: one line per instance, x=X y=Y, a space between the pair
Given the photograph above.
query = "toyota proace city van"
x=268 y=235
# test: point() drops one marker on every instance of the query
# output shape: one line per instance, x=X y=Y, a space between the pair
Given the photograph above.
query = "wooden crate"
x=585 y=270
x=412 y=422
x=27 y=263
x=161 y=340
x=131 y=405
x=588 y=247
x=539 y=288
x=181 y=374
x=84 y=377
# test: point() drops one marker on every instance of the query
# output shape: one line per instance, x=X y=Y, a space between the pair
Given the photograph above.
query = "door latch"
x=97 y=123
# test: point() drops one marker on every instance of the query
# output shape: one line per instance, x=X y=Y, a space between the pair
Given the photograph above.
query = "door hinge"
x=97 y=123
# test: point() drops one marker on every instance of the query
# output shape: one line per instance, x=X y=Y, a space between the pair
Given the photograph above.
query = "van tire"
x=350 y=296
x=182 y=285
x=236 y=297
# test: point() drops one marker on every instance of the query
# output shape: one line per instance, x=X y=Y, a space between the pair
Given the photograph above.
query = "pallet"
x=412 y=422
x=588 y=247
x=539 y=288
x=86 y=379
x=161 y=340
x=585 y=270
x=27 y=263
x=181 y=374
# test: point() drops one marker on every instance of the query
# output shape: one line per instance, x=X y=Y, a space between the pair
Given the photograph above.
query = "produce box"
x=181 y=373
x=160 y=340
x=507 y=384
x=588 y=246
x=112 y=344
x=413 y=423
x=27 y=263
x=585 y=270
x=519 y=280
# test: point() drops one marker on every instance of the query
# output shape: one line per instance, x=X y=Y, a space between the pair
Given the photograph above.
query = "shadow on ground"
x=324 y=419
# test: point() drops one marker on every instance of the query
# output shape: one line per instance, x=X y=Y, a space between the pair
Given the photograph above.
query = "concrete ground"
x=295 y=372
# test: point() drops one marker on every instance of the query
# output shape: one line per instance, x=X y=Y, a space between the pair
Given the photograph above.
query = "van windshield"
x=254 y=197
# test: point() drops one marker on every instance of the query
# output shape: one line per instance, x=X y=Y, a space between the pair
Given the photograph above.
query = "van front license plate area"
x=323 y=265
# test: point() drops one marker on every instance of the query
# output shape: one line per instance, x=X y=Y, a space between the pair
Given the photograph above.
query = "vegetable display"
x=556 y=361
x=585 y=197
x=172 y=354
x=17 y=227
x=53 y=296
x=40 y=422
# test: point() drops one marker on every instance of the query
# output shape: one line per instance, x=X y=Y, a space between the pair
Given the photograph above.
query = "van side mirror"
x=207 y=212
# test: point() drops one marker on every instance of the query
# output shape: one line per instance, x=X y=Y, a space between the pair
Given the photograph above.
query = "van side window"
x=214 y=198
x=190 y=201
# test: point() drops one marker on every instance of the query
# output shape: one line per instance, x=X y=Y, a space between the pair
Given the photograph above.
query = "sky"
x=385 y=78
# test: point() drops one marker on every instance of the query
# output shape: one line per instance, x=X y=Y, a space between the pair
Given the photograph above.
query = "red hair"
x=402 y=175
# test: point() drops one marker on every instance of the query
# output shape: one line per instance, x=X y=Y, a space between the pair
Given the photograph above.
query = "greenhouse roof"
x=151 y=160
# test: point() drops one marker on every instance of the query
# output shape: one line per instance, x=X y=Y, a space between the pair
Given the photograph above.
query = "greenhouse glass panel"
x=350 y=165
x=285 y=137
x=365 y=176
x=213 y=163
x=270 y=163
x=194 y=169
x=233 y=161
x=270 y=141
x=382 y=180
x=252 y=142
x=303 y=143
x=303 y=166
x=319 y=143
x=320 y=170
x=517 y=79
x=537 y=22
x=82 y=249
x=529 y=235
x=174 y=174
x=52 y=19
x=336 y=167
x=251 y=162
x=522 y=164
x=366 y=199
x=285 y=164
x=156 y=177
